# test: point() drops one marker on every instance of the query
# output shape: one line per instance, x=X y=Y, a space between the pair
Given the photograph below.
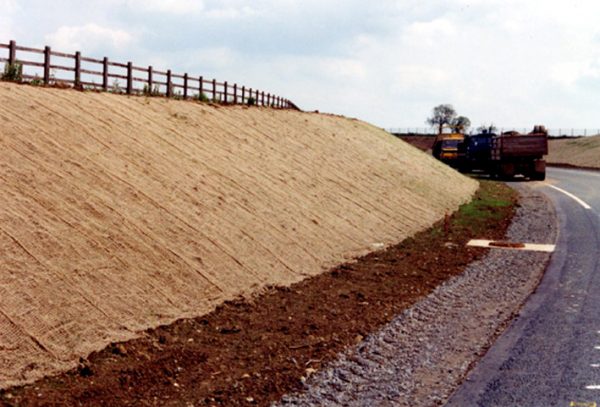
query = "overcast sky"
x=514 y=63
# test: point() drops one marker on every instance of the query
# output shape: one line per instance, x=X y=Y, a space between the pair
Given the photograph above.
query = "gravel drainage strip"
x=424 y=354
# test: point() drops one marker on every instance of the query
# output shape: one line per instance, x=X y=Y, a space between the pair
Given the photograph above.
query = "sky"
x=508 y=62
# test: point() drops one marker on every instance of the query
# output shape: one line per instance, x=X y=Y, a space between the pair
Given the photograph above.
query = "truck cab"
x=448 y=148
x=478 y=151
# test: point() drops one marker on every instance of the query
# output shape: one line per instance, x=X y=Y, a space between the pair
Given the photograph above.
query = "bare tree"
x=442 y=116
x=484 y=128
x=460 y=124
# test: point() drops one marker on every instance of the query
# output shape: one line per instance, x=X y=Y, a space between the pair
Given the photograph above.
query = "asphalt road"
x=550 y=354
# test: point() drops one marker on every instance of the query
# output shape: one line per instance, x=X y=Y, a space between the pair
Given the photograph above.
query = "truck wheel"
x=507 y=171
x=539 y=176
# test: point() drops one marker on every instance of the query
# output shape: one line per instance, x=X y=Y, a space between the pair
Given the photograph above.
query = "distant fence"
x=559 y=132
x=425 y=131
x=48 y=67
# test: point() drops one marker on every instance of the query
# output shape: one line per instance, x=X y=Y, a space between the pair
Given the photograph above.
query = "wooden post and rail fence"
x=137 y=80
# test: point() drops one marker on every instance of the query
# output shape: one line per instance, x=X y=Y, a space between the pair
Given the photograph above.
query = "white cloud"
x=6 y=30
x=214 y=58
x=8 y=8
x=167 y=6
x=410 y=77
x=232 y=13
x=89 y=38
x=430 y=33
x=388 y=62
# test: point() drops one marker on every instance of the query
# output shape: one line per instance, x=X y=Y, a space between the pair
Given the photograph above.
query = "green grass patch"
x=493 y=202
x=486 y=216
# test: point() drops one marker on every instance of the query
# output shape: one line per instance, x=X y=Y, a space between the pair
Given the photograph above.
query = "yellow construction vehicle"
x=448 y=148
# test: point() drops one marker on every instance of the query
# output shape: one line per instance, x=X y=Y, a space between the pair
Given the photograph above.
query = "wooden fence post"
x=243 y=94
x=201 y=87
x=150 y=80
x=129 y=78
x=77 y=69
x=235 y=93
x=105 y=74
x=225 y=91
x=214 y=90
x=257 y=101
x=12 y=52
x=169 y=90
x=185 y=86
x=263 y=97
x=47 y=54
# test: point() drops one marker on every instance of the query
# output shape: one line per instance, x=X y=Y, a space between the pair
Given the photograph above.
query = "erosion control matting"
x=254 y=351
x=120 y=214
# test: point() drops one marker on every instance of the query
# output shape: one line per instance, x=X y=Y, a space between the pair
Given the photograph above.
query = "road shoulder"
x=425 y=353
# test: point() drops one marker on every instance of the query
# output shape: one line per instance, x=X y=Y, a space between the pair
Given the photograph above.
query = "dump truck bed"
x=515 y=146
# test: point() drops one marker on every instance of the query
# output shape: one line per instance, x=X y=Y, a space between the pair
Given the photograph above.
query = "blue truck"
x=508 y=154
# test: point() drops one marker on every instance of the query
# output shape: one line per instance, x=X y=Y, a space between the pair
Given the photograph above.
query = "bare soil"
x=423 y=143
x=251 y=352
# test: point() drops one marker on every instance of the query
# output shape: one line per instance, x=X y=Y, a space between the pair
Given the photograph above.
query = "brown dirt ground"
x=251 y=352
x=423 y=143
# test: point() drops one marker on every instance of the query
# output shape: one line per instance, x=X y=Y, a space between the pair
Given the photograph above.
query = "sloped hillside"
x=121 y=213
x=581 y=152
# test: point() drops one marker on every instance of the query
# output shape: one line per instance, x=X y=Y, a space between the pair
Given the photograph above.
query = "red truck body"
x=514 y=153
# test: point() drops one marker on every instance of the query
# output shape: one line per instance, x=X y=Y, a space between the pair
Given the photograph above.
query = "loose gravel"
x=426 y=352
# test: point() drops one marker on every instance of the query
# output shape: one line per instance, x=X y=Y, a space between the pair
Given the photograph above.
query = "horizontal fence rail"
x=557 y=132
x=49 y=67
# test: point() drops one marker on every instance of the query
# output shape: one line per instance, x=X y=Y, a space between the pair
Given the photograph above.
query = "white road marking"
x=593 y=387
x=595 y=365
x=549 y=248
x=597 y=347
x=570 y=195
